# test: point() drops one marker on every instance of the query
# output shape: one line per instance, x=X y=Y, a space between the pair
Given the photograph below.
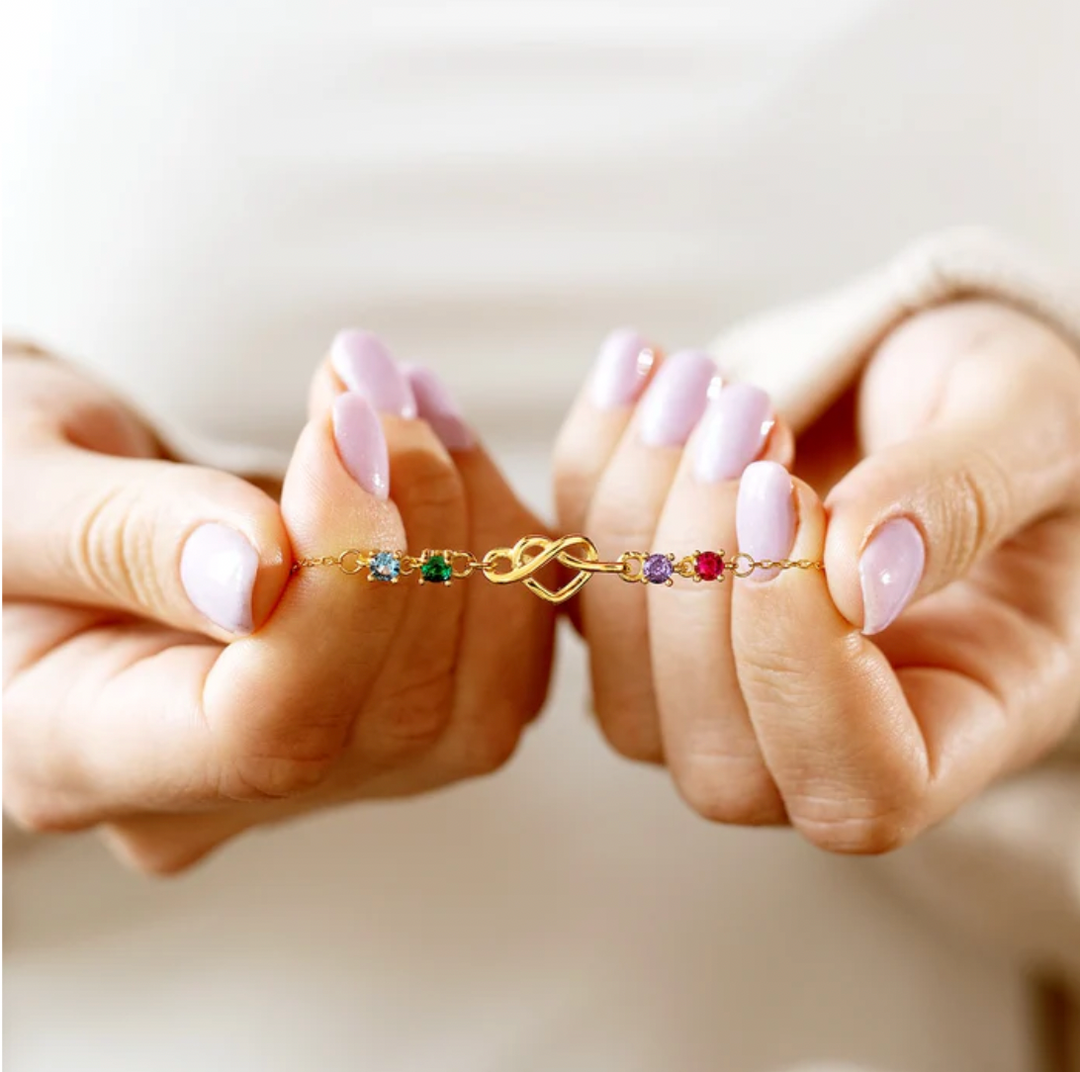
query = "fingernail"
x=765 y=515
x=361 y=443
x=365 y=365
x=734 y=432
x=217 y=569
x=621 y=370
x=436 y=405
x=677 y=398
x=890 y=569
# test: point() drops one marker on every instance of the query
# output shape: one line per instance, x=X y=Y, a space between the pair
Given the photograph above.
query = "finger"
x=999 y=448
x=482 y=718
x=598 y=419
x=148 y=722
x=709 y=743
x=360 y=361
x=193 y=548
x=406 y=719
x=101 y=716
x=622 y=516
x=507 y=634
x=286 y=706
x=408 y=705
x=411 y=704
x=835 y=732
x=489 y=681
x=864 y=758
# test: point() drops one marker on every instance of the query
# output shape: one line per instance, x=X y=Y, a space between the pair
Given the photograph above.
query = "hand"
x=941 y=647
x=166 y=675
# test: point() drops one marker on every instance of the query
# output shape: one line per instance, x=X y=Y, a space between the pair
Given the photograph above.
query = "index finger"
x=837 y=731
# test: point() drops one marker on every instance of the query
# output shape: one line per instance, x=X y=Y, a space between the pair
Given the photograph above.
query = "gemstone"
x=709 y=566
x=436 y=570
x=657 y=569
x=384 y=566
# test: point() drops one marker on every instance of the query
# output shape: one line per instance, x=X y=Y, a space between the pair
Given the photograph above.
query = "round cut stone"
x=709 y=566
x=384 y=566
x=436 y=570
x=657 y=569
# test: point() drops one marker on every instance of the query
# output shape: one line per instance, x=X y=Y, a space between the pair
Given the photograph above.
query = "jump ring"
x=357 y=566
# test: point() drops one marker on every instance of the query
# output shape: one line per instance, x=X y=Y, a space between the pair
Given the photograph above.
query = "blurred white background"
x=198 y=195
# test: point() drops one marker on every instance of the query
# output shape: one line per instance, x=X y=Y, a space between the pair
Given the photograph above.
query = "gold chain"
x=508 y=565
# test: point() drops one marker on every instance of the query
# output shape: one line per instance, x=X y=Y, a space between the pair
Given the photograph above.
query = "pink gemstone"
x=709 y=566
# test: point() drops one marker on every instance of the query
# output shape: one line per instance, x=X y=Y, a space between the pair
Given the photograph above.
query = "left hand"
x=176 y=690
x=940 y=648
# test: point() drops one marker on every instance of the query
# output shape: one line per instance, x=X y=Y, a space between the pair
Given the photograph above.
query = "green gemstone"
x=436 y=570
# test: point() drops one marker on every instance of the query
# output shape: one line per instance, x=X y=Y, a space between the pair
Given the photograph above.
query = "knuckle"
x=39 y=812
x=491 y=746
x=253 y=779
x=414 y=718
x=156 y=857
x=112 y=549
x=632 y=738
x=978 y=497
x=430 y=487
x=776 y=665
x=732 y=790
x=865 y=827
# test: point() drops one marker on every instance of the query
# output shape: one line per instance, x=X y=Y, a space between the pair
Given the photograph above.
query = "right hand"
x=166 y=676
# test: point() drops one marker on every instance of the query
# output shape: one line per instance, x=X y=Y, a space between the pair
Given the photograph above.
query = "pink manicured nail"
x=217 y=569
x=621 y=369
x=436 y=405
x=677 y=398
x=365 y=365
x=890 y=569
x=765 y=515
x=734 y=432
x=361 y=443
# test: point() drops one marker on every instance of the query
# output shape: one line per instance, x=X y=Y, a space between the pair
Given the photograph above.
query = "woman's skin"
x=766 y=698
x=177 y=728
x=126 y=706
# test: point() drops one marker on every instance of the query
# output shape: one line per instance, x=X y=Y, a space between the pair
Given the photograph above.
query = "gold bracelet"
x=506 y=565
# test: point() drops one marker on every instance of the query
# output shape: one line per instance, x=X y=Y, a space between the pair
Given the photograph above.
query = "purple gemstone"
x=657 y=569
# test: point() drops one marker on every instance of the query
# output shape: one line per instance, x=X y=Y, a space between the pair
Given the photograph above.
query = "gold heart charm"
x=548 y=550
x=523 y=564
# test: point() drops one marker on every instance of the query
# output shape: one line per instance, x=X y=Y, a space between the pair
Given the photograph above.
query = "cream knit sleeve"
x=805 y=354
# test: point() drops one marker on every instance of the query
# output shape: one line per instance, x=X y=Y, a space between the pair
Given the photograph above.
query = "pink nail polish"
x=436 y=405
x=734 y=432
x=676 y=398
x=890 y=569
x=361 y=443
x=621 y=370
x=365 y=365
x=217 y=569
x=765 y=515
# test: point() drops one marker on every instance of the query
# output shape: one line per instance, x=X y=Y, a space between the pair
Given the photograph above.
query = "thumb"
x=195 y=548
x=996 y=447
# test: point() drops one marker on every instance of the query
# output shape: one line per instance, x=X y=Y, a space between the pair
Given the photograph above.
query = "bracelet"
x=506 y=565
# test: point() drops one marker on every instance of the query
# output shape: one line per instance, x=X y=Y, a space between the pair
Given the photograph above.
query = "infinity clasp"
x=532 y=553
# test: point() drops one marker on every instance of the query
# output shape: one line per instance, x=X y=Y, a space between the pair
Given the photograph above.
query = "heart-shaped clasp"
x=532 y=553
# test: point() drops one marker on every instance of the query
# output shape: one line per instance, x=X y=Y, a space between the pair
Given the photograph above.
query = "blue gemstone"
x=384 y=566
